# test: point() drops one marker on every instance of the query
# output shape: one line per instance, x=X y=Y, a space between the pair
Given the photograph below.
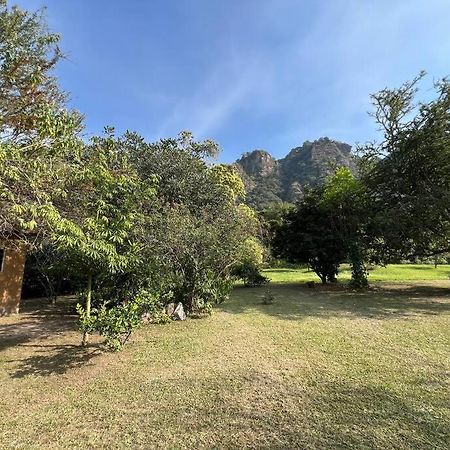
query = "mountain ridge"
x=270 y=180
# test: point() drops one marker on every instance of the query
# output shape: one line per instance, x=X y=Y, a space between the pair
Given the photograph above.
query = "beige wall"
x=11 y=278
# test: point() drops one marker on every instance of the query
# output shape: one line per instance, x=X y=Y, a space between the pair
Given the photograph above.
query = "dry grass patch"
x=317 y=369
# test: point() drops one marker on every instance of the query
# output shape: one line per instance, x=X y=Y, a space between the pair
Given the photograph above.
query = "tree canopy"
x=38 y=133
x=408 y=172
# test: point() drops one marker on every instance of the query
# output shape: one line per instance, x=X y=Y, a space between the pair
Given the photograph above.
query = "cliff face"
x=258 y=163
x=269 y=180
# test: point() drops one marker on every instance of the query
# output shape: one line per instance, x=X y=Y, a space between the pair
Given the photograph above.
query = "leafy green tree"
x=38 y=134
x=197 y=225
x=96 y=231
x=408 y=172
x=181 y=167
x=272 y=218
x=328 y=227
x=345 y=197
x=307 y=236
x=250 y=263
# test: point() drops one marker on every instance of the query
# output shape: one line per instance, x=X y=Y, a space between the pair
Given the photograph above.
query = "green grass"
x=320 y=368
x=393 y=272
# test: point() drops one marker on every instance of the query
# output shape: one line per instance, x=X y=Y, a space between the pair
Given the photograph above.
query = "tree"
x=248 y=269
x=272 y=218
x=326 y=228
x=307 y=236
x=345 y=197
x=96 y=228
x=197 y=225
x=408 y=172
x=38 y=134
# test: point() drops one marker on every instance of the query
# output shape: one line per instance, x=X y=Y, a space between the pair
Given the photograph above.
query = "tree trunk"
x=320 y=274
x=88 y=308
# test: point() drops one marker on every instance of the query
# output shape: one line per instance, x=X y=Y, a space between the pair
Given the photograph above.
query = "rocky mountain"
x=269 y=180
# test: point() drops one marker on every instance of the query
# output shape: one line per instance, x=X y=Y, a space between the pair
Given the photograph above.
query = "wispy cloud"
x=259 y=73
x=221 y=94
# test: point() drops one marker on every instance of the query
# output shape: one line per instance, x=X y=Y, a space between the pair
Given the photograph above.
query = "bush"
x=116 y=322
x=154 y=306
x=250 y=274
x=199 y=291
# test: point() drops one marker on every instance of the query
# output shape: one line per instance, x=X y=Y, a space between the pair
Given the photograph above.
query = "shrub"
x=201 y=290
x=116 y=322
x=154 y=306
x=250 y=274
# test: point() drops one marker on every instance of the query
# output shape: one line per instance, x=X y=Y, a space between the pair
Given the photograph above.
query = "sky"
x=250 y=74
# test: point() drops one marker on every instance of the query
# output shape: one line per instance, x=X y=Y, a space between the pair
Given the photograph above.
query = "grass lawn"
x=320 y=368
x=393 y=272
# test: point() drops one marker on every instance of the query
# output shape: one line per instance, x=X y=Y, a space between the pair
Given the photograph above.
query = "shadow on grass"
x=359 y=411
x=37 y=320
x=297 y=413
x=55 y=359
x=29 y=330
x=295 y=301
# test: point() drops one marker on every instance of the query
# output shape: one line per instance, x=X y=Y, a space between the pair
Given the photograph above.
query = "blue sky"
x=265 y=74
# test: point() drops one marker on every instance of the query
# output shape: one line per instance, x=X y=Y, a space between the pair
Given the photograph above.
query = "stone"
x=179 y=313
x=170 y=308
x=146 y=317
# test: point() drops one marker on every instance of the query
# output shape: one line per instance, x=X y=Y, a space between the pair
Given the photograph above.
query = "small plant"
x=153 y=306
x=201 y=308
x=250 y=274
x=268 y=297
x=116 y=322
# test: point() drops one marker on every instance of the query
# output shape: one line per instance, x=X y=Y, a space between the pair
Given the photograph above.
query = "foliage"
x=272 y=218
x=359 y=271
x=194 y=230
x=102 y=214
x=250 y=274
x=115 y=324
x=326 y=228
x=38 y=134
x=250 y=263
x=408 y=172
x=230 y=180
x=116 y=321
x=307 y=237
x=345 y=197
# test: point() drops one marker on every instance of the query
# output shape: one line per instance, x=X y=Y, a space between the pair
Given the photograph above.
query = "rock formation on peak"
x=268 y=180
